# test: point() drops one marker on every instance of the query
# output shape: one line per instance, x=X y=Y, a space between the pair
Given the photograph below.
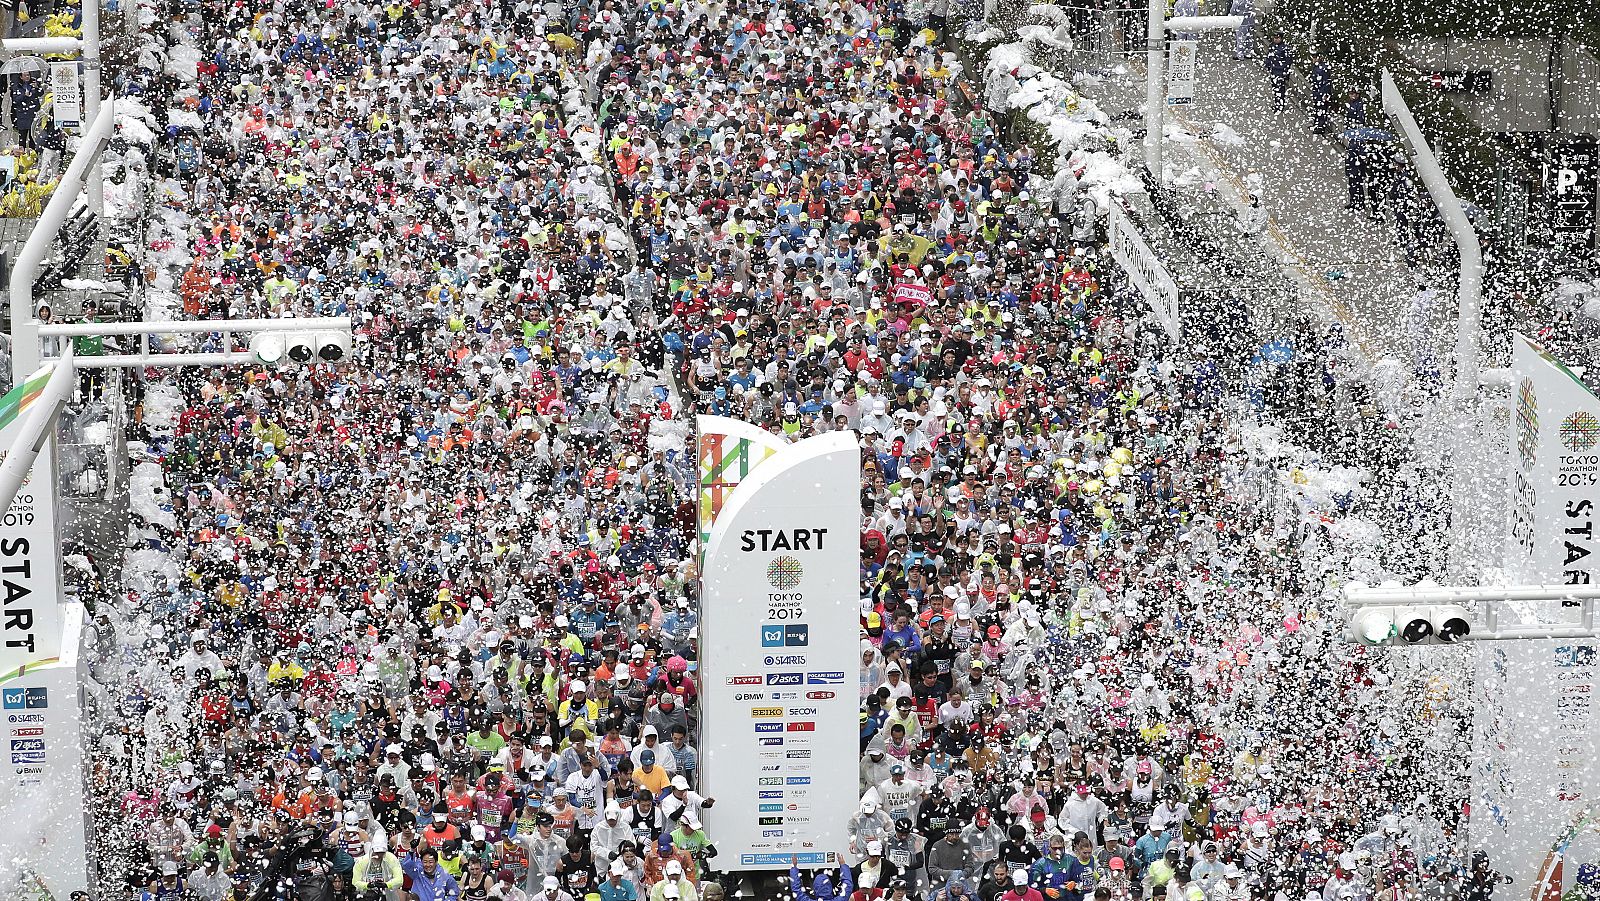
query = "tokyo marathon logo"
x=784 y=572
x=1579 y=431
x=1527 y=423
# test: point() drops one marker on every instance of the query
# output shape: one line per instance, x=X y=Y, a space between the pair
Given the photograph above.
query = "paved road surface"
x=1305 y=193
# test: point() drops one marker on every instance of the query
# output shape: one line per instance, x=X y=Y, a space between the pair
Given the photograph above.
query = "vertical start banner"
x=30 y=568
x=780 y=663
x=1535 y=803
x=1555 y=473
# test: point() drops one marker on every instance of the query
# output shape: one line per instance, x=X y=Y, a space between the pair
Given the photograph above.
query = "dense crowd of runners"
x=432 y=627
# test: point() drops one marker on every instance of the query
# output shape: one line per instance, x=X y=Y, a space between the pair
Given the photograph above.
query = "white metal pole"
x=1155 y=100
x=91 y=101
x=40 y=46
x=1356 y=595
x=196 y=326
x=36 y=429
x=1179 y=24
x=24 y=324
x=1469 y=293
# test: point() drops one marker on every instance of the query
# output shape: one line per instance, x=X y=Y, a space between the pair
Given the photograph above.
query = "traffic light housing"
x=1404 y=625
x=275 y=348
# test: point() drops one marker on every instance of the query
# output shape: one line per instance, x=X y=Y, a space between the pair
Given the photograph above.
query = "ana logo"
x=784 y=678
x=769 y=808
x=766 y=711
x=826 y=677
x=770 y=780
x=768 y=768
x=818 y=695
x=1580 y=430
x=769 y=794
x=768 y=741
x=785 y=572
x=797 y=780
x=772 y=636
x=806 y=726
x=749 y=696
x=790 y=660
x=769 y=727
x=744 y=680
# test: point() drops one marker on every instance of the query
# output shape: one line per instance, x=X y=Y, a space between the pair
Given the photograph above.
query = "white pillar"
x=27 y=262
x=1469 y=292
x=1155 y=101
x=91 y=99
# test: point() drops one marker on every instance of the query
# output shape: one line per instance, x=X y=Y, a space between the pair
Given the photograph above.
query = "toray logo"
x=769 y=727
x=793 y=635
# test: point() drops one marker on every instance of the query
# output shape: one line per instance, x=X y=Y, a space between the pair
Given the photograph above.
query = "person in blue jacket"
x=429 y=881
x=822 y=887
x=1062 y=878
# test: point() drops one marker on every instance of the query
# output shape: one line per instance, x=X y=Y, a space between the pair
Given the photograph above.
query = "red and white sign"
x=917 y=295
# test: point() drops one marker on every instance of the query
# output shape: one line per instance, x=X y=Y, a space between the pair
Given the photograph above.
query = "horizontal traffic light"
x=1408 y=625
x=274 y=348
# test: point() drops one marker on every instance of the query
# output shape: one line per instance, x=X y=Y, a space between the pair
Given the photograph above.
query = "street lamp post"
x=1155 y=101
